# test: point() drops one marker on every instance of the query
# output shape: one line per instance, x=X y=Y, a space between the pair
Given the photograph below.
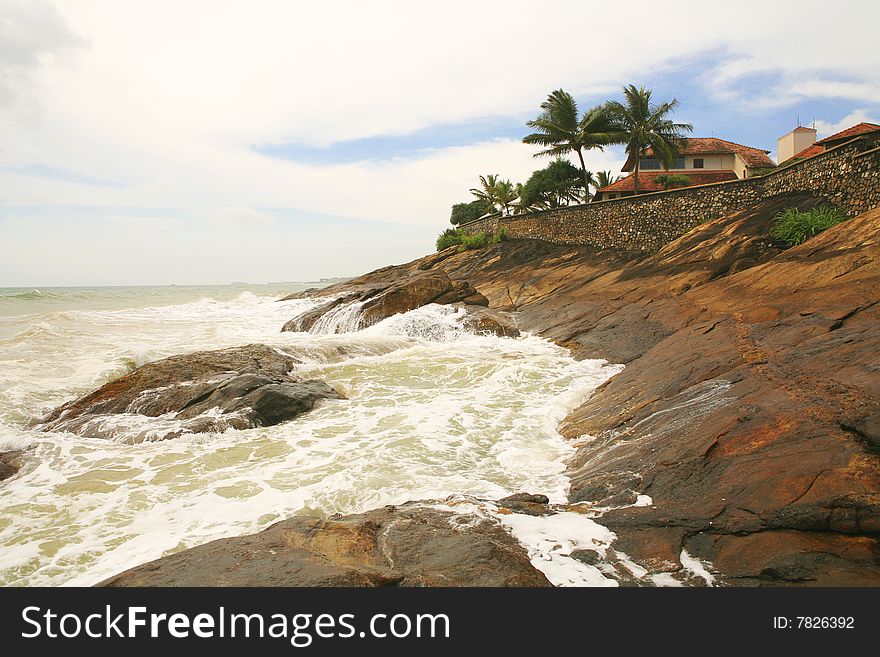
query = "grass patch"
x=794 y=227
x=465 y=242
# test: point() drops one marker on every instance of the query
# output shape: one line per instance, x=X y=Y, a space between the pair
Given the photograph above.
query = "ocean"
x=431 y=411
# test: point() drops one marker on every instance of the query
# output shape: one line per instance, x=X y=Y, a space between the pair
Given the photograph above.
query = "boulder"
x=410 y=545
x=388 y=295
x=243 y=387
x=490 y=322
x=10 y=463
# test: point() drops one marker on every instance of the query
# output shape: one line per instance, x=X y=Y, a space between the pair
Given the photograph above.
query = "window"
x=698 y=163
x=653 y=164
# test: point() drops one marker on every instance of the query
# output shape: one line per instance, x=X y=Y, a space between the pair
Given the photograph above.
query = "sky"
x=210 y=141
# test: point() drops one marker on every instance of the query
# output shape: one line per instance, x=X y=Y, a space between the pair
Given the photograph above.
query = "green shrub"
x=672 y=180
x=449 y=237
x=457 y=237
x=500 y=236
x=794 y=227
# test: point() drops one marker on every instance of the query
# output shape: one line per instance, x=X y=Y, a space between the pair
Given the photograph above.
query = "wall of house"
x=793 y=143
x=847 y=176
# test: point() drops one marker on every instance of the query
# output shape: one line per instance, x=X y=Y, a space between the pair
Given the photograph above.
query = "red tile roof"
x=809 y=151
x=647 y=182
x=803 y=129
x=855 y=131
x=753 y=157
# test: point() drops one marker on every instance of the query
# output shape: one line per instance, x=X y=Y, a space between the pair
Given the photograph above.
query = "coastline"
x=747 y=410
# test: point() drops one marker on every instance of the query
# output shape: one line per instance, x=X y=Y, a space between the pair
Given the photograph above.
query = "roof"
x=801 y=128
x=647 y=182
x=855 y=131
x=809 y=151
x=753 y=157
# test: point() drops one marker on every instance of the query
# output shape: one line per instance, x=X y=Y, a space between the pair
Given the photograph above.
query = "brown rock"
x=10 y=463
x=410 y=545
x=750 y=399
x=251 y=386
x=385 y=293
x=488 y=321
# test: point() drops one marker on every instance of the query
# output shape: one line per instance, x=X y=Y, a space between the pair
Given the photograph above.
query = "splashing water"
x=431 y=411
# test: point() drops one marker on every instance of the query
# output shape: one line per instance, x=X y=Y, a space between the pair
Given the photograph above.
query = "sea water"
x=430 y=411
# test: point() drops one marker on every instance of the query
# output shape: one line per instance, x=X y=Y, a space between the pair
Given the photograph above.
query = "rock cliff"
x=748 y=410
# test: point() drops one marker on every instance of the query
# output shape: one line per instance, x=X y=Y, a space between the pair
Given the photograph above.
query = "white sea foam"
x=696 y=567
x=431 y=411
x=550 y=540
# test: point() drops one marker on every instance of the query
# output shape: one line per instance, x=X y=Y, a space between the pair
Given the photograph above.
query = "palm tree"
x=496 y=192
x=646 y=125
x=559 y=127
x=605 y=178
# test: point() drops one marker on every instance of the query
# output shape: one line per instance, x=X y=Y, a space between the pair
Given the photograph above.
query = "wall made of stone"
x=847 y=176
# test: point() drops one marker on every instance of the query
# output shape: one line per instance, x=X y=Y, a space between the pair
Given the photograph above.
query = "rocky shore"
x=743 y=433
x=748 y=410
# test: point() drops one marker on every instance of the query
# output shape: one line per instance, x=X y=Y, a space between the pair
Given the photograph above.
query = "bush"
x=462 y=213
x=449 y=237
x=672 y=180
x=457 y=237
x=794 y=227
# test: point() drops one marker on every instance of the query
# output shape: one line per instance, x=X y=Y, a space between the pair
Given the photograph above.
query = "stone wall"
x=847 y=176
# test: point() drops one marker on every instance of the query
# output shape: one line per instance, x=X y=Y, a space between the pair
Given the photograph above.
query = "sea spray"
x=432 y=411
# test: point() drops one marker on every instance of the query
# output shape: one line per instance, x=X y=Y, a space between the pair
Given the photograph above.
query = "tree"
x=462 y=213
x=672 y=180
x=558 y=184
x=643 y=124
x=605 y=178
x=559 y=128
x=497 y=193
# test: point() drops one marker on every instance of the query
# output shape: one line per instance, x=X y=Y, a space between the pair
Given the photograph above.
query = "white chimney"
x=794 y=142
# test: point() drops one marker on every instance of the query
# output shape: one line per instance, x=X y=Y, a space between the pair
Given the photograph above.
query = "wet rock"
x=587 y=556
x=242 y=387
x=409 y=294
x=533 y=505
x=383 y=294
x=748 y=406
x=490 y=322
x=526 y=497
x=10 y=463
x=409 y=545
x=305 y=321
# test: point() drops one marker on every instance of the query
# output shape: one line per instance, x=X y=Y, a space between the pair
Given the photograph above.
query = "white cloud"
x=169 y=97
x=826 y=128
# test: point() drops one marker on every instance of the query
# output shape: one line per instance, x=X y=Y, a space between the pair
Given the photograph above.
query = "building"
x=801 y=142
x=702 y=160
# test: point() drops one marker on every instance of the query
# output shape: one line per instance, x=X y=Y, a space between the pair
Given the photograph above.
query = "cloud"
x=32 y=32
x=826 y=128
x=170 y=98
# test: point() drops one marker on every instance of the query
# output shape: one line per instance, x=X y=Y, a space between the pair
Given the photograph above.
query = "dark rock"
x=490 y=322
x=408 y=294
x=533 y=505
x=305 y=321
x=526 y=497
x=250 y=386
x=589 y=557
x=410 y=545
x=10 y=463
x=391 y=291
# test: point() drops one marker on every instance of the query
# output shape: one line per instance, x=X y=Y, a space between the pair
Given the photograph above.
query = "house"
x=702 y=160
x=801 y=143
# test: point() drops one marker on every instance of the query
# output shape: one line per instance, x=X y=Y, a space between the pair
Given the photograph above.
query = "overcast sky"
x=212 y=141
